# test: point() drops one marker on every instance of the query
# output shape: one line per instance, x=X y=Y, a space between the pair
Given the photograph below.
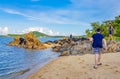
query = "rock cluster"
x=66 y=46
x=83 y=46
x=28 y=41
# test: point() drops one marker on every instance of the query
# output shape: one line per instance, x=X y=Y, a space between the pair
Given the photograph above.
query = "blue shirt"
x=97 y=40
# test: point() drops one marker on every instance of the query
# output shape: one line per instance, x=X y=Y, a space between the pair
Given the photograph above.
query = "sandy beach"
x=80 y=67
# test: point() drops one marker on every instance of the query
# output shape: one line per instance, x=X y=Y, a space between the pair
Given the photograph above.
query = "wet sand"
x=80 y=67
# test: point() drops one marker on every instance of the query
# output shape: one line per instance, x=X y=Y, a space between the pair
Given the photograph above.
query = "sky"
x=54 y=17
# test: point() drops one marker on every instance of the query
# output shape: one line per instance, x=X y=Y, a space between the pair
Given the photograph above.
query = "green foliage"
x=88 y=32
x=95 y=25
x=104 y=27
x=114 y=37
x=38 y=34
x=117 y=38
x=14 y=35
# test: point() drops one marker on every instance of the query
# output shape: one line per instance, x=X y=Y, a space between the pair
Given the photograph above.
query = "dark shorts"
x=97 y=50
x=110 y=32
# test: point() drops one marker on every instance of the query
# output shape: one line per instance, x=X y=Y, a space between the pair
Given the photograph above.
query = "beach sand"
x=80 y=67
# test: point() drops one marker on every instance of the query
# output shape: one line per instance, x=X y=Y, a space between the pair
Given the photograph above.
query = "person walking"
x=97 y=44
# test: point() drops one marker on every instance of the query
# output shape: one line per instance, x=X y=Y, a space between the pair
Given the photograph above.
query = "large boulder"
x=28 y=41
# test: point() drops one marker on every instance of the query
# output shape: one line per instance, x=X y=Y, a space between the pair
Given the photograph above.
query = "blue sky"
x=54 y=17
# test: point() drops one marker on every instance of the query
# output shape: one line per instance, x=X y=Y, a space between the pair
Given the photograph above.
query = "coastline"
x=34 y=68
x=79 y=67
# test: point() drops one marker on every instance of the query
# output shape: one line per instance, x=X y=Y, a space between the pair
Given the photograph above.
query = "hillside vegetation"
x=36 y=33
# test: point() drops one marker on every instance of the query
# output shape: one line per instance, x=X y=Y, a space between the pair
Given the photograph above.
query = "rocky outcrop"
x=83 y=46
x=28 y=41
x=15 y=42
x=74 y=48
x=65 y=46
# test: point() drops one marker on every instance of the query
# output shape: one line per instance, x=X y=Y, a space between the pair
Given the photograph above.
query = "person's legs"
x=99 y=58
x=96 y=52
x=96 y=59
x=99 y=55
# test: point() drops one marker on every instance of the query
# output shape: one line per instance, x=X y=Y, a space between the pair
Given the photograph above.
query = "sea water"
x=15 y=61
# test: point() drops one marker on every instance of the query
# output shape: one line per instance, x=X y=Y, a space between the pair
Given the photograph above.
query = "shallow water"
x=15 y=61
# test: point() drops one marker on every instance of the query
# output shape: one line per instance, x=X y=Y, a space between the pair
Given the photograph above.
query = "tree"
x=88 y=33
x=104 y=27
x=95 y=25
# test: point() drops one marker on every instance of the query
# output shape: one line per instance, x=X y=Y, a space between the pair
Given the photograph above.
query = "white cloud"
x=53 y=16
x=79 y=12
x=41 y=29
x=4 y=30
x=11 y=11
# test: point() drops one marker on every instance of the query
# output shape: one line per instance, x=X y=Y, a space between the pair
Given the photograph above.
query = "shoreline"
x=79 y=67
x=33 y=69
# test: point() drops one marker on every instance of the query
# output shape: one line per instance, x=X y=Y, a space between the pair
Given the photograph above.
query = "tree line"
x=104 y=27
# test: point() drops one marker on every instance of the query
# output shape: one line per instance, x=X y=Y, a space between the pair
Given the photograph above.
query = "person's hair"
x=110 y=24
x=98 y=30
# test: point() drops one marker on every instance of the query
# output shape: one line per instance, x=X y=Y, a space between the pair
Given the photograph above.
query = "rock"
x=56 y=48
x=49 y=45
x=15 y=42
x=113 y=46
x=82 y=46
x=29 y=41
x=76 y=46
x=65 y=53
